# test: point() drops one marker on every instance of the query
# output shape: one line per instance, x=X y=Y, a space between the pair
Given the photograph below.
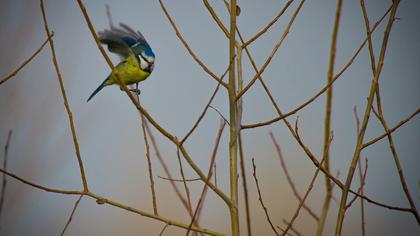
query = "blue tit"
x=137 y=57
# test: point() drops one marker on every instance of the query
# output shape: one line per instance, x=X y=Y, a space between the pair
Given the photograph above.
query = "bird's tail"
x=98 y=89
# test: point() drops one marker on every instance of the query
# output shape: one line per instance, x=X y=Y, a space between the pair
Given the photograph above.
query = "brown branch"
x=197 y=211
x=362 y=177
x=102 y=200
x=64 y=95
x=391 y=130
x=289 y=179
x=51 y=190
x=358 y=148
x=244 y=185
x=314 y=97
x=292 y=228
x=4 y=181
x=261 y=200
x=187 y=190
x=179 y=180
x=331 y=136
x=163 y=230
x=273 y=52
x=71 y=215
x=220 y=114
x=149 y=163
x=263 y=30
x=381 y=118
x=184 y=201
x=178 y=34
x=362 y=182
x=203 y=113
x=15 y=72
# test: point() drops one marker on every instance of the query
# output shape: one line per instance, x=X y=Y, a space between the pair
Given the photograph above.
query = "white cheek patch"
x=143 y=64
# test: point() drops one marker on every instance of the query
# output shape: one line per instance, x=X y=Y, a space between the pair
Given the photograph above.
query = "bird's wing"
x=123 y=40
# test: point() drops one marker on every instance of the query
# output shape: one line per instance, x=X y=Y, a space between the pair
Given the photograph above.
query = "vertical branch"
x=149 y=163
x=241 y=150
x=382 y=118
x=362 y=183
x=327 y=127
x=261 y=200
x=244 y=186
x=187 y=190
x=4 y=182
x=359 y=145
x=66 y=104
x=234 y=125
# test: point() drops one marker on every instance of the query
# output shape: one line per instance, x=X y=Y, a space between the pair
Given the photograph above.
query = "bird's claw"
x=136 y=91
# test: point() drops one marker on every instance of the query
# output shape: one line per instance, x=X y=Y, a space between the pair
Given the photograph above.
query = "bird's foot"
x=136 y=91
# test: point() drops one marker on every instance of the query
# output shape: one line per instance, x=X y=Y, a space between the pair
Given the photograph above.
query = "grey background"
x=109 y=129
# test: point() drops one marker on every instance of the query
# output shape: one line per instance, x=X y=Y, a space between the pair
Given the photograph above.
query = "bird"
x=137 y=57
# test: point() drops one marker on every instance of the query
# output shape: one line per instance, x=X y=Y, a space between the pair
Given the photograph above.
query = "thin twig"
x=362 y=176
x=64 y=95
x=314 y=97
x=179 y=180
x=292 y=228
x=163 y=230
x=391 y=130
x=260 y=198
x=263 y=30
x=310 y=185
x=289 y=179
x=187 y=190
x=178 y=34
x=244 y=185
x=4 y=182
x=149 y=163
x=197 y=211
x=203 y=113
x=15 y=72
x=273 y=52
x=381 y=118
x=71 y=215
x=220 y=114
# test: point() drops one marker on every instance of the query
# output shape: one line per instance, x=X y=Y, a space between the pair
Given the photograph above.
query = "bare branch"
x=289 y=179
x=261 y=200
x=263 y=30
x=178 y=34
x=314 y=97
x=71 y=215
x=15 y=72
x=64 y=95
x=4 y=182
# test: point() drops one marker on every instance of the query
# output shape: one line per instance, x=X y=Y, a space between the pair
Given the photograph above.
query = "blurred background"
x=110 y=135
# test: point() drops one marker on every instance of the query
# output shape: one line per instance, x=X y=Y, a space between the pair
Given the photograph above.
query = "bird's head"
x=147 y=60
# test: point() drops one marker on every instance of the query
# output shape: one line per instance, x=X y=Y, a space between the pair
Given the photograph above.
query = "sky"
x=109 y=128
